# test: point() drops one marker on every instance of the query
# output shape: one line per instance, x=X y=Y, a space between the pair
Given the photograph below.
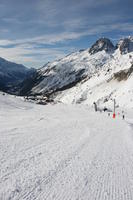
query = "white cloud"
x=29 y=56
x=69 y=35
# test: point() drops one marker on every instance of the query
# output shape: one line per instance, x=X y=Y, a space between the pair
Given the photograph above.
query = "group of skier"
x=105 y=109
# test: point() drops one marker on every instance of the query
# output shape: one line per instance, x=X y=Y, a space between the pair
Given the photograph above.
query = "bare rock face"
x=125 y=45
x=123 y=74
x=100 y=45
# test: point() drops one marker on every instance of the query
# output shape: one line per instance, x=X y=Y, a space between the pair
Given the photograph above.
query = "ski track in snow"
x=64 y=152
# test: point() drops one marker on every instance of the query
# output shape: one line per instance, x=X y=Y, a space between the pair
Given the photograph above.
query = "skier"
x=95 y=105
x=123 y=116
x=109 y=114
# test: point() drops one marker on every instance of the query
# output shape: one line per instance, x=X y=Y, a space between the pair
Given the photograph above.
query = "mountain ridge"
x=12 y=74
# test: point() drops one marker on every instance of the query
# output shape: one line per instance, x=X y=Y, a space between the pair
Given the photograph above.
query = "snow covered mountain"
x=11 y=74
x=99 y=74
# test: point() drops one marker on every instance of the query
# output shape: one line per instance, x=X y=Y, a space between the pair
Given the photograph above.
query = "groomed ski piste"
x=64 y=152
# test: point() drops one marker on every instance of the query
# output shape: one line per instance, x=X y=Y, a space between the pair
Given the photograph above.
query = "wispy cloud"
x=64 y=36
x=31 y=56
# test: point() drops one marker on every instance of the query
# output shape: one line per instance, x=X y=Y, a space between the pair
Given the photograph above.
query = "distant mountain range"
x=12 y=74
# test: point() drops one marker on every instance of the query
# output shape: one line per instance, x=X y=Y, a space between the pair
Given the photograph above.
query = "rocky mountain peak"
x=125 y=45
x=100 y=45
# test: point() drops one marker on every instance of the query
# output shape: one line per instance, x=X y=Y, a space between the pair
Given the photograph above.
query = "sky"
x=34 y=32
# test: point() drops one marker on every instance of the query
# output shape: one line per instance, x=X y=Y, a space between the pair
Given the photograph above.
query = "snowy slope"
x=61 y=152
x=62 y=73
x=103 y=87
x=90 y=75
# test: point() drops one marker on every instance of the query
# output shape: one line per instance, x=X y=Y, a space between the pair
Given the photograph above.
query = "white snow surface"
x=63 y=152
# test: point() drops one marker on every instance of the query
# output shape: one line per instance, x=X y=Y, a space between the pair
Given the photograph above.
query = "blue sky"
x=34 y=32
